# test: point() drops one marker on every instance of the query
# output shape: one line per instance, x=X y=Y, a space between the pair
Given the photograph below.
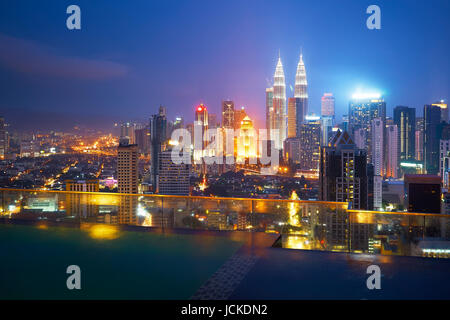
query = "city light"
x=364 y=96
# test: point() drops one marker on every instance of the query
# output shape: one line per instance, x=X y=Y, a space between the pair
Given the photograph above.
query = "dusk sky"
x=131 y=56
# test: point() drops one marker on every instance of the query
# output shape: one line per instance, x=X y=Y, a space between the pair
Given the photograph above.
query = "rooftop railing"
x=308 y=225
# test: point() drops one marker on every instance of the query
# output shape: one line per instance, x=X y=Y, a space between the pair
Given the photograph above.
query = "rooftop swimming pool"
x=114 y=264
x=305 y=225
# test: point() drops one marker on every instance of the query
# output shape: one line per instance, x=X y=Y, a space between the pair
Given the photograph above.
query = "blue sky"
x=130 y=57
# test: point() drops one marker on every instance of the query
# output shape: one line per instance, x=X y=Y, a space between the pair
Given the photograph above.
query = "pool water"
x=114 y=264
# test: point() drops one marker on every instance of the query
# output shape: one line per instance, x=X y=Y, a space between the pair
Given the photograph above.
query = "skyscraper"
x=127 y=168
x=173 y=178
x=228 y=114
x=444 y=110
x=328 y=104
x=392 y=151
x=158 y=138
x=378 y=148
x=419 y=138
x=292 y=118
x=377 y=131
x=327 y=117
x=405 y=119
x=343 y=172
x=247 y=142
x=269 y=110
x=363 y=108
x=4 y=141
x=239 y=115
x=432 y=120
x=200 y=136
x=142 y=139
x=279 y=106
x=301 y=92
x=310 y=143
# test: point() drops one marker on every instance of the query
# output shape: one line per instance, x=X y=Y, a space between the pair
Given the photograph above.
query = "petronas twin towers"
x=276 y=118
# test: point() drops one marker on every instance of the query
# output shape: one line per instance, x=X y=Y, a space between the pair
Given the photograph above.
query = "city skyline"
x=104 y=83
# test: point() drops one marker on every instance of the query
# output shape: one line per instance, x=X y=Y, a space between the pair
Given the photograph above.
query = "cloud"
x=30 y=57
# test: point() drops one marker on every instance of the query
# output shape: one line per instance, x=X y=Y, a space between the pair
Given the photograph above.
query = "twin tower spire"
x=276 y=109
x=301 y=84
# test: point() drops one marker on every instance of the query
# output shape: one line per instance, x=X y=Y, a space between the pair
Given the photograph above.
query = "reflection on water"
x=101 y=231
x=305 y=225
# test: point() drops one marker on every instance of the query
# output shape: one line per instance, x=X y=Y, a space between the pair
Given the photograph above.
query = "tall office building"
x=292 y=118
x=301 y=87
x=228 y=114
x=343 y=172
x=296 y=116
x=4 y=139
x=247 y=146
x=377 y=131
x=292 y=150
x=362 y=110
x=327 y=129
x=405 y=119
x=432 y=120
x=392 y=151
x=200 y=136
x=310 y=143
x=269 y=110
x=327 y=108
x=142 y=139
x=279 y=107
x=173 y=178
x=127 y=168
x=378 y=148
x=444 y=110
x=328 y=102
x=419 y=138
x=239 y=115
x=158 y=139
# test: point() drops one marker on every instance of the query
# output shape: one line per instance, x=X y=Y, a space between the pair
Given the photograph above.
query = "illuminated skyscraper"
x=301 y=92
x=269 y=109
x=405 y=119
x=310 y=143
x=292 y=118
x=239 y=115
x=392 y=151
x=200 y=135
x=279 y=107
x=127 y=168
x=173 y=177
x=228 y=114
x=4 y=141
x=419 y=138
x=327 y=117
x=363 y=108
x=378 y=147
x=444 y=110
x=247 y=142
x=328 y=105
